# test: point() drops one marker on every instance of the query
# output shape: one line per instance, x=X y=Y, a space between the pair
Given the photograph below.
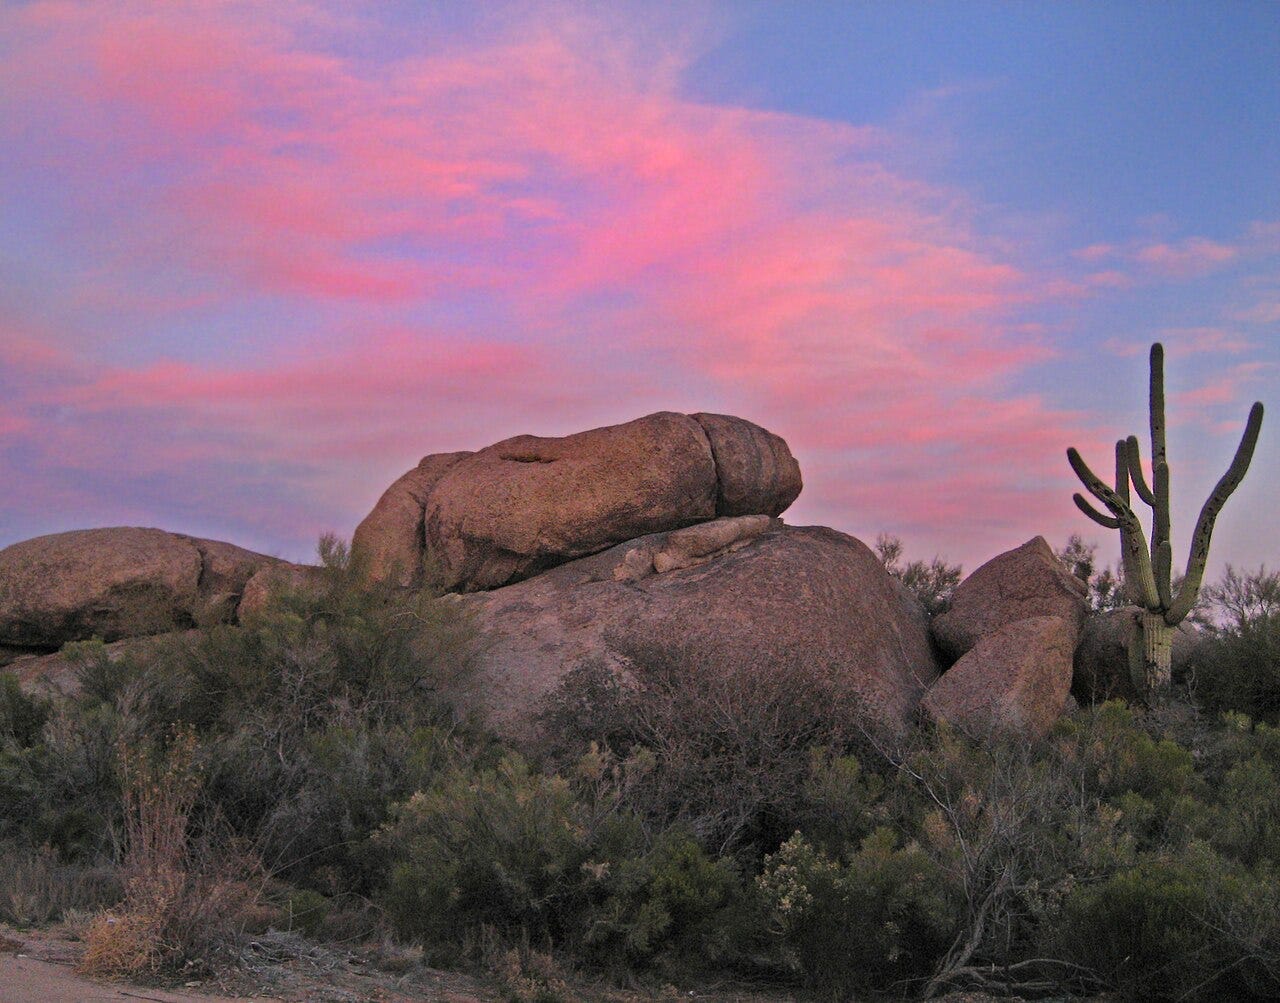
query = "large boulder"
x=1102 y=655
x=736 y=597
x=529 y=503
x=117 y=583
x=1015 y=680
x=388 y=544
x=1027 y=582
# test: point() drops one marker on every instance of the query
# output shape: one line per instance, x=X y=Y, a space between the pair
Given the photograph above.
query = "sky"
x=257 y=259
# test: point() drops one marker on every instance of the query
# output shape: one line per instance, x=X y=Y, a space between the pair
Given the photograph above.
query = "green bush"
x=22 y=717
x=673 y=906
x=881 y=917
x=504 y=848
x=1190 y=926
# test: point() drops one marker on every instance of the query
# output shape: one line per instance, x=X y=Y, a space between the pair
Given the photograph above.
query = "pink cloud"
x=601 y=244
x=1193 y=256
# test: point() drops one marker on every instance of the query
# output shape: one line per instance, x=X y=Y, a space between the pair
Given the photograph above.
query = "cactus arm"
x=1102 y=520
x=1160 y=511
x=1137 y=561
x=1122 y=472
x=1199 y=555
x=1135 y=471
x=1156 y=406
x=1163 y=571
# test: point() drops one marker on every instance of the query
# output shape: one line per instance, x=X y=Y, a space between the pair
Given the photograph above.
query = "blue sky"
x=255 y=260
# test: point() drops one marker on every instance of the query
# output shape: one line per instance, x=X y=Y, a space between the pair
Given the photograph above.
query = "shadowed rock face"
x=790 y=601
x=1015 y=680
x=1021 y=583
x=486 y=519
x=1102 y=656
x=116 y=583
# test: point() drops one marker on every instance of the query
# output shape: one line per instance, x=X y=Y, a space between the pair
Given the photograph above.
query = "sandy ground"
x=39 y=967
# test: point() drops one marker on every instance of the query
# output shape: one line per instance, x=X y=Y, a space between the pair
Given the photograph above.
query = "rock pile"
x=655 y=542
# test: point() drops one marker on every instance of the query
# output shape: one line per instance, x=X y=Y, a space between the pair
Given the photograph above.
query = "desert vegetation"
x=306 y=770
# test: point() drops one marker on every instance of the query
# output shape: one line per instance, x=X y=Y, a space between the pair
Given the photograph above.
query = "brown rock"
x=796 y=601
x=116 y=583
x=269 y=581
x=1102 y=655
x=756 y=473
x=1022 y=583
x=1015 y=680
x=109 y=583
x=529 y=503
x=389 y=542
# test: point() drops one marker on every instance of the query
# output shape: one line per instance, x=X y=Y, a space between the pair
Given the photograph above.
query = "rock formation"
x=117 y=583
x=520 y=506
x=767 y=599
x=1028 y=581
x=1014 y=680
x=648 y=546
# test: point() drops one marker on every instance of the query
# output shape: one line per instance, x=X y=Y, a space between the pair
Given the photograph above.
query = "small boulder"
x=116 y=583
x=1102 y=656
x=389 y=542
x=804 y=603
x=1015 y=680
x=1027 y=582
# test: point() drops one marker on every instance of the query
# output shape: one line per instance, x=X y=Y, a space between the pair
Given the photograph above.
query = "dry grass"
x=185 y=896
x=37 y=888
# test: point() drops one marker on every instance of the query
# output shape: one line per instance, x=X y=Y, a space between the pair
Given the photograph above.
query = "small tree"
x=1148 y=574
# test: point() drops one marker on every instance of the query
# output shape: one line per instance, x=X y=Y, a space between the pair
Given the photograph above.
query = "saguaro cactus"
x=1149 y=572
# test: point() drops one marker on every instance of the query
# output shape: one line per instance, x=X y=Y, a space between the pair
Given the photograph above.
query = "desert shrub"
x=22 y=717
x=1105 y=587
x=1191 y=925
x=883 y=916
x=726 y=751
x=841 y=801
x=37 y=886
x=503 y=847
x=185 y=894
x=932 y=584
x=672 y=906
x=1238 y=669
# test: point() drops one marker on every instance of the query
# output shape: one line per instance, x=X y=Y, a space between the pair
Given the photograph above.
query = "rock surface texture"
x=1026 y=582
x=1015 y=680
x=483 y=520
x=116 y=583
x=766 y=599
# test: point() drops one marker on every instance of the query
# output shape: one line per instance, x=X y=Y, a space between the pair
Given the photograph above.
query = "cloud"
x=1189 y=257
x=285 y=269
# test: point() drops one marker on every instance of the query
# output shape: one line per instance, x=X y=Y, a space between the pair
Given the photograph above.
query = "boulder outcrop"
x=483 y=520
x=1026 y=582
x=1014 y=680
x=117 y=583
x=744 y=597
